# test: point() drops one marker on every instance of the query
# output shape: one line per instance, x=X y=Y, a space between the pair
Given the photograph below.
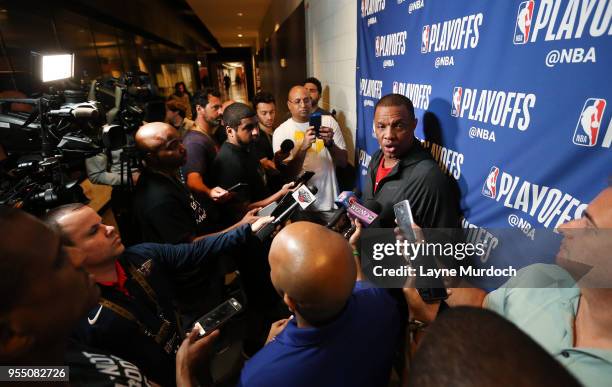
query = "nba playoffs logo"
x=489 y=189
x=589 y=122
x=425 y=39
x=457 y=93
x=523 y=22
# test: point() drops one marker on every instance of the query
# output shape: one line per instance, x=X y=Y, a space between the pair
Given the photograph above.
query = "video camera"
x=47 y=142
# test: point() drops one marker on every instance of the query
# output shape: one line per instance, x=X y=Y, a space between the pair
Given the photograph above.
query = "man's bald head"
x=161 y=145
x=299 y=103
x=150 y=136
x=314 y=268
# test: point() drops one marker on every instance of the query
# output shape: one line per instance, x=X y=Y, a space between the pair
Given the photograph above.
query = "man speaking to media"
x=403 y=169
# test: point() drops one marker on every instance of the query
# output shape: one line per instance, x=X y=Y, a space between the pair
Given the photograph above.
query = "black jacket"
x=417 y=177
x=157 y=264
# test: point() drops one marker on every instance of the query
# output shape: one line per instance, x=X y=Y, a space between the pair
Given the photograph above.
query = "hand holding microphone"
x=283 y=153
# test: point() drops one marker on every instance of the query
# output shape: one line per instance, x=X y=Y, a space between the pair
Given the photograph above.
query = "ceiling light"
x=240 y=35
x=276 y=27
x=239 y=14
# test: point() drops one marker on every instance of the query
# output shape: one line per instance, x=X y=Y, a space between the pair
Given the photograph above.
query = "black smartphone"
x=236 y=186
x=217 y=317
x=431 y=295
x=303 y=178
x=315 y=120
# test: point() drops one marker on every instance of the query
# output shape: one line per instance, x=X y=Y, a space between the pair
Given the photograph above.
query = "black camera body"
x=49 y=137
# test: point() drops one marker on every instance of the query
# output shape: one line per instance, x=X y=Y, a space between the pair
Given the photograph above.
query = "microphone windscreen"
x=287 y=145
x=85 y=112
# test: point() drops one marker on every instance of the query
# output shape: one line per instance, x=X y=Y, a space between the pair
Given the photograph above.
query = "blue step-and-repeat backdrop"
x=513 y=99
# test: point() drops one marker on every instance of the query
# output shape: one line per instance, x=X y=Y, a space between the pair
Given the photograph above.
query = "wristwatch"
x=416 y=326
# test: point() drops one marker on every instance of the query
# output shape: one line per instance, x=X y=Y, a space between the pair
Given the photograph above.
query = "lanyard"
x=165 y=331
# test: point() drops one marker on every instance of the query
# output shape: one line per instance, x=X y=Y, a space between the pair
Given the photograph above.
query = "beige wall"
x=331 y=49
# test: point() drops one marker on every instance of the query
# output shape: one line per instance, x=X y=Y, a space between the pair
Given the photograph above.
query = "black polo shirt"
x=235 y=164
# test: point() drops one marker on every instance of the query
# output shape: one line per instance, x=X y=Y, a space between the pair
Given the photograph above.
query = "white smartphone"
x=403 y=215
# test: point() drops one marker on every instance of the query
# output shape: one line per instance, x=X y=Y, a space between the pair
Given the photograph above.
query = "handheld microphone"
x=286 y=200
x=303 y=197
x=282 y=154
x=287 y=146
x=356 y=209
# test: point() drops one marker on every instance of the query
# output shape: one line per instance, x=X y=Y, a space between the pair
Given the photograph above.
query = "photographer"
x=136 y=318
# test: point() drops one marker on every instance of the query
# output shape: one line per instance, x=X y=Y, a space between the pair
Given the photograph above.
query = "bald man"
x=342 y=332
x=565 y=310
x=166 y=212
x=320 y=155
x=164 y=209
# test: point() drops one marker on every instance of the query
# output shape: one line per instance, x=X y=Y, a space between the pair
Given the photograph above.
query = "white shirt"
x=318 y=159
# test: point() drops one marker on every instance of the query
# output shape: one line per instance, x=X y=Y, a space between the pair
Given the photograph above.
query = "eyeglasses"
x=306 y=101
x=171 y=145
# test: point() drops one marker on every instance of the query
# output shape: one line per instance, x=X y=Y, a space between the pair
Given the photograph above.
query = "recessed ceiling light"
x=240 y=35
x=276 y=27
x=239 y=14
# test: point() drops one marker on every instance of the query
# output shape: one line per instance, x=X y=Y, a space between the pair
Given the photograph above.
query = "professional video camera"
x=47 y=142
x=128 y=100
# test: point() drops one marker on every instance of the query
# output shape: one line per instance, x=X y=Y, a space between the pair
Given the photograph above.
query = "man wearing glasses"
x=319 y=154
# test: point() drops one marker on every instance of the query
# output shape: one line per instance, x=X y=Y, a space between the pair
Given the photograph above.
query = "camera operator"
x=176 y=116
x=135 y=318
x=44 y=291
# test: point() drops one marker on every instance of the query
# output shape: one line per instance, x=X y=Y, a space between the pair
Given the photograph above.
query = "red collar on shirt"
x=381 y=173
x=121 y=279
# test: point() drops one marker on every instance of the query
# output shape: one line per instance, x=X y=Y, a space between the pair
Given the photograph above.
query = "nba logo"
x=457 y=93
x=589 y=122
x=425 y=39
x=489 y=189
x=377 y=47
x=523 y=22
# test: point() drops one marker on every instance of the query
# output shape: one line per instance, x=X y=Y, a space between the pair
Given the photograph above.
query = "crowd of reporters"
x=79 y=292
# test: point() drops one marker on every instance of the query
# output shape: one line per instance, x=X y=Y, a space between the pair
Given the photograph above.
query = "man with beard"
x=235 y=164
x=202 y=148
